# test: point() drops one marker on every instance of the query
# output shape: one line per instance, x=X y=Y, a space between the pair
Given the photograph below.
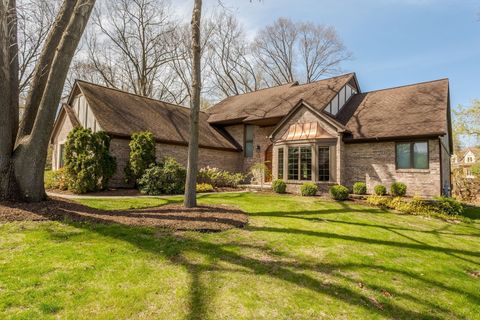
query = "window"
x=248 y=141
x=323 y=164
x=280 y=164
x=412 y=155
x=61 y=156
x=305 y=163
x=300 y=163
x=292 y=163
x=469 y=159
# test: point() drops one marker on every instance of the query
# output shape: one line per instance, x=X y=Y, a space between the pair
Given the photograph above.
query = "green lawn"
x=299 y=258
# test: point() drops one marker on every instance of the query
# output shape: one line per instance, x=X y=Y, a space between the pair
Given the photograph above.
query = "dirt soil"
x=210 y=218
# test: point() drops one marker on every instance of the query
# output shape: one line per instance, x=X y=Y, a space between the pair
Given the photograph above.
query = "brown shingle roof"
x=276 y=102
x=414 y=110
x=120 y=113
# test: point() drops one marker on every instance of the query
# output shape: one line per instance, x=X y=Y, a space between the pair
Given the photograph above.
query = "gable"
x=84 y=113
x=303 y=124
x=277 y=102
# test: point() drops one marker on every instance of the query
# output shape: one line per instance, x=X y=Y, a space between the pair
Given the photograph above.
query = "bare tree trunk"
x=30 y=155
x=22 y=166
x=192 y=167
x=7 y=118
x=39 y=80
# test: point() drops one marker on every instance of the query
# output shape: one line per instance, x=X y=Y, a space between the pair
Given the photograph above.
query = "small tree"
x=88 y=163
x=142 y=155
x=259 y=171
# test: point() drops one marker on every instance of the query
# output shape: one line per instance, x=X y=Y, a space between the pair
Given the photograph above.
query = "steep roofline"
x=130 y=93
x=406 y=85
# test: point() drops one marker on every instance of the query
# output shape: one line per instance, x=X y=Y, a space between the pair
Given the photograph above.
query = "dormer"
x=342 y=98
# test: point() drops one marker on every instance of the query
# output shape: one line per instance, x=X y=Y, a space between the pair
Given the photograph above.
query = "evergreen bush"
x=142 y=155
x=88 y=163
x=360 y=188
x=167 y=177
x=339 y=192
x=279 y=186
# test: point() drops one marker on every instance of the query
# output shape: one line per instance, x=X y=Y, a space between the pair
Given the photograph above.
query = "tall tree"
x=131 y=43
x=229 y=57
x=467 y=120
x=23 y=149
x=287 y=51
x=192 y=166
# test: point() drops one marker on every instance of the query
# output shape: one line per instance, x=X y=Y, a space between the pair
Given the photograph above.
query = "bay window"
x=412 y=155
x=323 y=158
x=299 y=163
x=280 y=164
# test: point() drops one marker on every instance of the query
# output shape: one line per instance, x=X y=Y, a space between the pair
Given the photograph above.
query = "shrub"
x=379 y=201
x=398 y=189
x=204 y=187
x=380 y=190
x=56 y=179
x=219 y=178
x=142 y=155
x=448 y=206
x=167 y=177
x=88 y=163
x=339 y=192
x=279 y=186
x=308 y=189
x=360 y=188
x=442 y=207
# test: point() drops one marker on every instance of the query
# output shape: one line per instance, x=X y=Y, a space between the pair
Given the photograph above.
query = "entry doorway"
x=268 y=163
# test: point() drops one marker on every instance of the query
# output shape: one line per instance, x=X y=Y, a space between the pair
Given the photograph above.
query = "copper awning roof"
x=305 y=131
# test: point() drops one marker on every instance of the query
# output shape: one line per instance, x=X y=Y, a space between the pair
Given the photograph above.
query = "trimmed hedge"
x=279 y=186
x=380 y=190
x=339 y=192
x=360 y=188
x=308 y=189
x=398 y=189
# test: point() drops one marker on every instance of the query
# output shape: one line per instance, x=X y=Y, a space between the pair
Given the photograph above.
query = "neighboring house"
x=327 y=132
x=465 y=160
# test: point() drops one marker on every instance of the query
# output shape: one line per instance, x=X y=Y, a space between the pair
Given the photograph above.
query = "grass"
x=299 y=258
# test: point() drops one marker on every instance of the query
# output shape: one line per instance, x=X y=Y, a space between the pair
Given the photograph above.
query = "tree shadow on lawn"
x=174 y=246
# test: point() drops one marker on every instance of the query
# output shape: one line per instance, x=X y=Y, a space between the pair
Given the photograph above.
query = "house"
x=328 y=131
x=466 y=159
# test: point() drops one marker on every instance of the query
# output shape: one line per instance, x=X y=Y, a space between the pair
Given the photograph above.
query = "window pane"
x=420 y=155
x=292 y=163
x=323 y=164
x=403 y=156
x=249 y=149
x=305 y=163
x=248 y=141
x=61 y=156
x=280 y=163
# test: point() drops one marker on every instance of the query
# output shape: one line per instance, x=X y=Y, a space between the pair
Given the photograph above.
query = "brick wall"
x=226 y=160
x=374 y=163
x=260 y=138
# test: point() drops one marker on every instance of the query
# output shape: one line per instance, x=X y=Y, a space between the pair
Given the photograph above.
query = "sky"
x=394 y=42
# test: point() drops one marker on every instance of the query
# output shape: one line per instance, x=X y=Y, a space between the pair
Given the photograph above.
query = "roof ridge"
x=319 y=80
x=294 y=83
x=132 y=94
x=405 y=85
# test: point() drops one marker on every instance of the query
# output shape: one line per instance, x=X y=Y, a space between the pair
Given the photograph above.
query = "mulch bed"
x=209 y=218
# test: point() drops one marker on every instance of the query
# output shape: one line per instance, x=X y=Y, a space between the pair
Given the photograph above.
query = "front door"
x=268 y=163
